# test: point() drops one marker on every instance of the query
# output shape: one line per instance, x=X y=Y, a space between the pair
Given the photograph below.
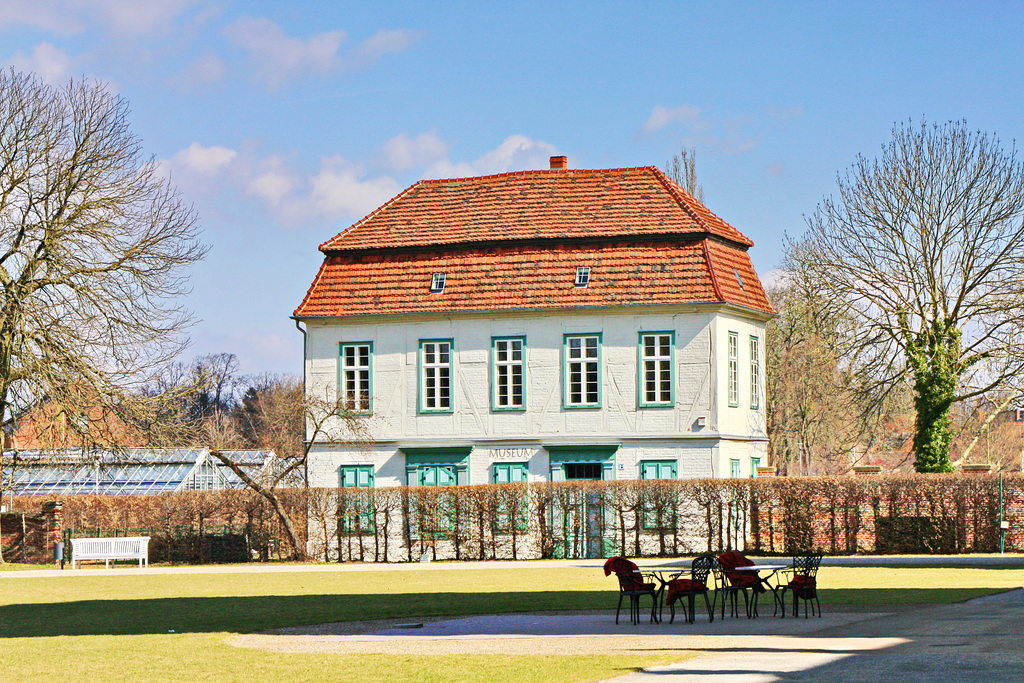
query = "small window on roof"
x=582 y=276
x=738 y=278
x=437 y=282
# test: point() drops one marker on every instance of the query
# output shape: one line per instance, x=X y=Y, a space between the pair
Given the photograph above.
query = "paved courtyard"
x=981 y=640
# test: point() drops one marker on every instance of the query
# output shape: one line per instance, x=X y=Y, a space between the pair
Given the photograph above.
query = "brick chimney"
x=559 y=163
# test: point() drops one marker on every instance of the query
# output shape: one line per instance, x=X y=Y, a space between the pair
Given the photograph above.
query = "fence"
x=668 y=518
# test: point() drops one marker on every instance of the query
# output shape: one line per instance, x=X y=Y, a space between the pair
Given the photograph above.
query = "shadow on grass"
x=243 y=614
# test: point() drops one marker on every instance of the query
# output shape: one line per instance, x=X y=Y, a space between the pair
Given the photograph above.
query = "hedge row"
x=773 y=516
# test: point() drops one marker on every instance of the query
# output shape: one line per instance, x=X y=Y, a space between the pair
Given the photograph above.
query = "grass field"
x=165 y=627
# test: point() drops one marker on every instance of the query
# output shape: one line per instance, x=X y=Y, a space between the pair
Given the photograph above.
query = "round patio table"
x=772 y=570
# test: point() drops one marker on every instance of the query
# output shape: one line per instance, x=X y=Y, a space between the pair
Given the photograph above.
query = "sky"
x=284 y=123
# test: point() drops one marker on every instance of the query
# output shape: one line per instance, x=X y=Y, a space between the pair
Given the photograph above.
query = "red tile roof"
x=535 y=205
x=625 y=273
x=513 y=241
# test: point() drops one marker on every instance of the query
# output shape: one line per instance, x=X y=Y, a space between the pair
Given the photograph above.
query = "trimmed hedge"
x=940 y=513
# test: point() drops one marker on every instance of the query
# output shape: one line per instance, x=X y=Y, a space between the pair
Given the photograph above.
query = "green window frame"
x=659 y=469
x=754 y=464
x=734 y=468
x=355 y=476
x=656 y=369
x=436 y=375
x=734 y=379
x=567 y=462
x=509 y=472
x=361 y=517
x=755 y=372
x=355 y=376
x=437 y=466
x=581 y=371
x=508 y=373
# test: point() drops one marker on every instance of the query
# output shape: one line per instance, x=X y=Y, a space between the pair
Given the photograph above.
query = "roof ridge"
x=674 y=190
x=562 y=171
x=683 y=198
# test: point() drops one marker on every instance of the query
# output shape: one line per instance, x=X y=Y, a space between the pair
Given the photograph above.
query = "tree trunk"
x=934 y=358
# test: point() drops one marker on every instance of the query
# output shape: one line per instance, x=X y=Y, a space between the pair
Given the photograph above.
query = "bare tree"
x=923 y=251
x=682 y=168
x=278 y=414
x=95 y=247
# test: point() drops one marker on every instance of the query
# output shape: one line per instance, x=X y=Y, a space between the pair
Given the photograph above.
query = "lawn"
x=173 y=626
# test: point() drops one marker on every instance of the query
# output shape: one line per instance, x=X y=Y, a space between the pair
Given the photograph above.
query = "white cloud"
x=131 y=17
x=274 y=184
x=203 y=71
x=382 y=43
x=662 y=116
x=515 y=153
x=279 y=56
x=49 y=62
x=726 y=136
x=203 y=160
x=340 y=188
x=43 y=14
x=402 y=153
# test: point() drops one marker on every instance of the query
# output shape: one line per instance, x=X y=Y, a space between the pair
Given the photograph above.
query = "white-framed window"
x=436 y=375
x=508 y=357
x=356 y=362
x=755 y=373
x=582 y=276
x=437 y=281
x=582 y=375
x=656 y=383
x=734 y=370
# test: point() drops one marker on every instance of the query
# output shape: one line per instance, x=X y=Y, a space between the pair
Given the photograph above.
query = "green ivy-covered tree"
x=922 y=253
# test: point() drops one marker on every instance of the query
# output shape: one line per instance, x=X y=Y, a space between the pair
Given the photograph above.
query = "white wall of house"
x=700 y=383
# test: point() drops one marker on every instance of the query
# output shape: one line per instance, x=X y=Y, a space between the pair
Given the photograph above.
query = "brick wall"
x=28 y=537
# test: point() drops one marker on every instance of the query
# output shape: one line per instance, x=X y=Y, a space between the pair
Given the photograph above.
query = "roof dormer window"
x=437 y=282
x=582 y=276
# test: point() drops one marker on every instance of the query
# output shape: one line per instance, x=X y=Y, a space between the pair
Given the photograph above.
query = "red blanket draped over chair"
x=621 y=566
x=729 y=561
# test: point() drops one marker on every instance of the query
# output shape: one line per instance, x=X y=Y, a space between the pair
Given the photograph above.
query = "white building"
x=559 y=324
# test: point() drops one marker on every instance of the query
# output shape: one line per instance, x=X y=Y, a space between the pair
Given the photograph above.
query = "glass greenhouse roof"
x=131 y=471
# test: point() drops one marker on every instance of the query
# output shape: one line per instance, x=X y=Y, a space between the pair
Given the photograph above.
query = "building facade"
x=541 y=325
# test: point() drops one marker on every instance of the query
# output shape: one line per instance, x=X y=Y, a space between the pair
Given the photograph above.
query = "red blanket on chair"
x=621 y=566
x=729 y=561
x=677 y=587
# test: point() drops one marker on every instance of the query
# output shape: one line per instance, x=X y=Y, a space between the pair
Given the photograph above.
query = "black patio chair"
x=734 y=583
x=633 y=584
x=689 y=588
x=804 y=584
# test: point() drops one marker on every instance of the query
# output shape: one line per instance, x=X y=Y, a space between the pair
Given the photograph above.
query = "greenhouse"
x=127 y=471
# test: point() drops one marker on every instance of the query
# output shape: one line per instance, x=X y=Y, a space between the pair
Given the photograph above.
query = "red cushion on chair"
x=801 y=582
x=677 y=587
x=619 y=565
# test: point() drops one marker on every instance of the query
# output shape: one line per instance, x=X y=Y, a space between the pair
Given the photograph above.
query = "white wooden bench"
x=107 y=549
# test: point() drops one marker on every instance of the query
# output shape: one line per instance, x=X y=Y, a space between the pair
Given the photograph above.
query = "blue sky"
x=283 y=123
